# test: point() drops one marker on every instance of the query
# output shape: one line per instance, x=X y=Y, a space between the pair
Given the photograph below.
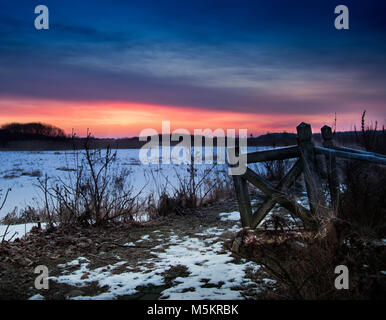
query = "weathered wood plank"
x=242 y=195
x=259 y=182
x=345 y=149
x=315 y=193
x=243 y=199
x=350 y=155
x=283 y=186
x=265 y=186
x=276 y=154
x=333 y=180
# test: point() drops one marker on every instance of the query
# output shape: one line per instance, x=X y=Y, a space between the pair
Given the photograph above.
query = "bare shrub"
x=4 y=200
x=200 y=185
x=218 y=188
x=4 y=220
x=92 y=194
x=275 y=170
x=362 y=200
x=196 y=186
x=369 y=137
x=26 y=215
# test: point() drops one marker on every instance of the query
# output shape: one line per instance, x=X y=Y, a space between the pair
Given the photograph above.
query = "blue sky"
x=277 y=58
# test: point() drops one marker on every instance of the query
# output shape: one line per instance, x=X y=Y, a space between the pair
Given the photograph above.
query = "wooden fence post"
x=311 y=176
x=243 y=198
x=333 y=180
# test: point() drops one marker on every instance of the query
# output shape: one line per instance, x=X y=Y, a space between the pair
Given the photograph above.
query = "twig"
x=123 y=246
x=5 y=198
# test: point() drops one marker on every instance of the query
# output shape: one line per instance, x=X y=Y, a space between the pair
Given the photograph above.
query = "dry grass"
x=196 y=187
x=363 y=200
x=303 y=263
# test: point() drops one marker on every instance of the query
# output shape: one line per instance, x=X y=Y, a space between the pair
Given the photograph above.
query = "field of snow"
x=212 y=272
x=20 y=170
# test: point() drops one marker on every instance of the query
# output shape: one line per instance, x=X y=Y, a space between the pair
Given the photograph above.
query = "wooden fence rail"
x=306 y=152
x=275 y=154
x=345 y=149
x=351 y=155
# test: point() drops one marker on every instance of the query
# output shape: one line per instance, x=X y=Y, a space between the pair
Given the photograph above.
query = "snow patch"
x=36 y=297
x=230 y=216
x=213 y=273
x=19 y=230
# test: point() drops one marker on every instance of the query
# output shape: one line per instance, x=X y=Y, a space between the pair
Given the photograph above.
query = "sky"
x=117 y=67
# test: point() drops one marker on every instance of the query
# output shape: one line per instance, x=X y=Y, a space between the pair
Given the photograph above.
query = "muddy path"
x=178 y=257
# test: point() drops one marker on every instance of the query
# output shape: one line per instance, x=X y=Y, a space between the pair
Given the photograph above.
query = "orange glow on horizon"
x=123 y=119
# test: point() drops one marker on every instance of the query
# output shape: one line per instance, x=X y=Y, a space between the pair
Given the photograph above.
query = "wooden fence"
x=305 y=152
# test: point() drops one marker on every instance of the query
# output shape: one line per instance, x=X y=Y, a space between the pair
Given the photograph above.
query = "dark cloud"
x=66 y=82
x=281 y=56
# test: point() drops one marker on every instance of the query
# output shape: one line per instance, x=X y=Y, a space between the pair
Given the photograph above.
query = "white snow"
x=144 y=238
x=129 y=244
x=17 y=166
x=19 y=229
x=204 y=263
x=230 y=216
x=212 y=272
x=36 y=297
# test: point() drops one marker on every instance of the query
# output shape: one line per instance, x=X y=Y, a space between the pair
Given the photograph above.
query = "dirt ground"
x=101 y=247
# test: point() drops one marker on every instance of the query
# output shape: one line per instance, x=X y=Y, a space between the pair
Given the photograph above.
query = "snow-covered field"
x=213 y=273
x=20 y=170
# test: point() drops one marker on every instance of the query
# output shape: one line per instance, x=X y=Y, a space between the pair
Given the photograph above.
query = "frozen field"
x=20 y=170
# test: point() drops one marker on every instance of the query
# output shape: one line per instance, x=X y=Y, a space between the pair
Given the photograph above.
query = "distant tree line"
x=39 y=136
x=33 y=128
